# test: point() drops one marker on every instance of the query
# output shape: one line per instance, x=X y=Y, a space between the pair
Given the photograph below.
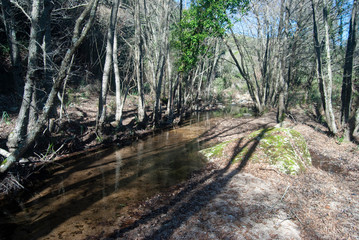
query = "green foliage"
x=50 y=150
x=4 y=162
x=204 y=19
x=215 y=151
x=99 y=139
x=340 y=139
x=4 y=49
x=5 y=117
x=220 y=84
x=84 y=95
x=242 y=112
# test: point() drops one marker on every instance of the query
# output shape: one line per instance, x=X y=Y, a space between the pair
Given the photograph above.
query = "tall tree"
x=347 y=85
x=139 y=67
x=157 y=50
x=203 y=20
x=122 y=84
x=101 y=115
x=325 y=83
x=21 y=125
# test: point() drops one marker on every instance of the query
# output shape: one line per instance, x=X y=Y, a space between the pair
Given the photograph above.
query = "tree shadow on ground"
x=316 y=118
x=184 y=204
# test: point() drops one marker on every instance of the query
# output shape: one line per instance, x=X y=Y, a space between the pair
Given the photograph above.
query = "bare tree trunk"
x=9 y=23
x=282 y=40
x=122 y=87
x=328 y=87
x=19 y=132
x=317 y=47
x=80 y=31
x=253 y=91
x=101 y=115
x=139 y=65
x=347 y=74
x=119 y=105
x=46 y=40
x=170 y=87
x=325 y=86
x=164 y=52
x=62 y=96
x=356 y=126
x=33 y=110
x=157 y=113
x=281 y=99
x=212 y=71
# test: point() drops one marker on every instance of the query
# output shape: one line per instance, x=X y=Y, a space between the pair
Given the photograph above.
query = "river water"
x=87 y=196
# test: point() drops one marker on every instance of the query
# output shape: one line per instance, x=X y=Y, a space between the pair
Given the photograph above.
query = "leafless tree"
x=347 y=85
x=101 y=115
x=325 y=83
x=20 y=141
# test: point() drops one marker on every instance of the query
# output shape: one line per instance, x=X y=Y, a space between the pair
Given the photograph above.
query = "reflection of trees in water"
x=118 y=168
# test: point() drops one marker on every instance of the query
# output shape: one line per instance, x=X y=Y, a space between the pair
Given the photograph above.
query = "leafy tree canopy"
x=204 y=19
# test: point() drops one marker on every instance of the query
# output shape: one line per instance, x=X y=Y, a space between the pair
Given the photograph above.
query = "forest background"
x=172 y=58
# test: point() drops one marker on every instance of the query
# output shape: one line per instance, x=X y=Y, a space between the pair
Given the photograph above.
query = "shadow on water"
x=184 y=208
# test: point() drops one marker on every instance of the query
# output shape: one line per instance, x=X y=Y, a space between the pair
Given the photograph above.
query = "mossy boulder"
x=283 y=148
x=215 y=151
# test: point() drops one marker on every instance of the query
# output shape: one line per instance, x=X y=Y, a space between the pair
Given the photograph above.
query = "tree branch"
x=21 y=9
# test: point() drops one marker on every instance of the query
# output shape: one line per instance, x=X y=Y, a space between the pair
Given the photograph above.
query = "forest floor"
x=233 y=201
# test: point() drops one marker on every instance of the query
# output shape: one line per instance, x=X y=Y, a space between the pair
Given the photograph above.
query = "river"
x=87 y=196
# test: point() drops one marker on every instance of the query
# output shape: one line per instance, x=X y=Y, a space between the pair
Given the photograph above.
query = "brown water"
x=88 y=195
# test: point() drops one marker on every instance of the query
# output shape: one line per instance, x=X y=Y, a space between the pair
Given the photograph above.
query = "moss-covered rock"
x=215 y=151
x=283 y=148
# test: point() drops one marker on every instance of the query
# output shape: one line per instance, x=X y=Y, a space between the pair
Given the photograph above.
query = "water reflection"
x=88 y=195
x=118 y=168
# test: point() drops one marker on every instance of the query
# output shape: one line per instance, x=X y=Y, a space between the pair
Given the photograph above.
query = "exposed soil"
x=234 y=201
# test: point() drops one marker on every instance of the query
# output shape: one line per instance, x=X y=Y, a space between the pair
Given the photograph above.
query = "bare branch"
x=21 y=9
x=70 y=8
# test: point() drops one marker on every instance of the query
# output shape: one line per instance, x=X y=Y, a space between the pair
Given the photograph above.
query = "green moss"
x=4 y=162
x=215 y=151
x=283 y=148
